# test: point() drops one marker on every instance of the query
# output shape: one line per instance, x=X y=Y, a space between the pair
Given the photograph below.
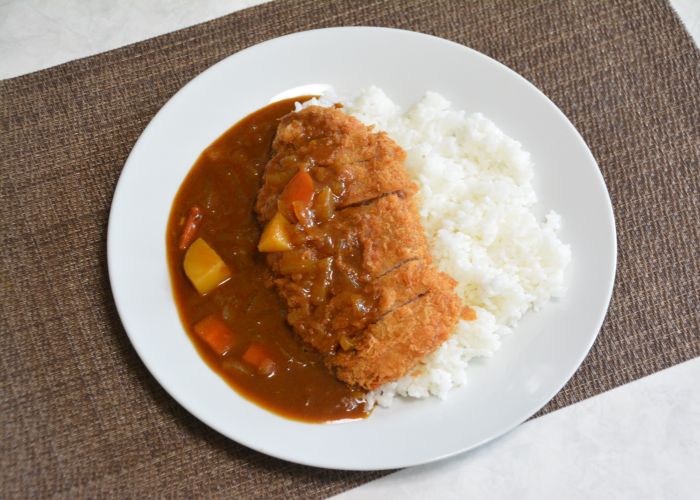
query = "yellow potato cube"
x=275 y=236
x=203 y=266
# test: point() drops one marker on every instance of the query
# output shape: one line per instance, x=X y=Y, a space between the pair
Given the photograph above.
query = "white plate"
x=533 y=364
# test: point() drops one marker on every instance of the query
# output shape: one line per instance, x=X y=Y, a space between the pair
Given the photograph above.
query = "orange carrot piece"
x=216 y=334
x=257 y=356
x=300 y=212
x=300 y=188
x=468 y=314
x=189 y=230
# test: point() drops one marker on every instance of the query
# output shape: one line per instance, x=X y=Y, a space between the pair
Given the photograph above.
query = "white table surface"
x=641 y=440
x=638 y=441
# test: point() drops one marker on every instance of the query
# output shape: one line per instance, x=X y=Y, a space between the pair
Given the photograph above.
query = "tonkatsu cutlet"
x=339 y=152
x=347 y=251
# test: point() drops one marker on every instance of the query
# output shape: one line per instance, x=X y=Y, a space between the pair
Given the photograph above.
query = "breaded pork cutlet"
x=371 y=244
x=389 y=348
x=338 y=151
x=356 y=277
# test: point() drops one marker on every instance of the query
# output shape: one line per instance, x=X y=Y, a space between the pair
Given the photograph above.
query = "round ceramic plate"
x=534 y=362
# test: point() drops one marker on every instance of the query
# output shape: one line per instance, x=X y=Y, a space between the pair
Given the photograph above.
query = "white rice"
x=477 y=207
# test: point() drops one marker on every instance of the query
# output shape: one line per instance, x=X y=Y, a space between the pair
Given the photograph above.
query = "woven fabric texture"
x=79 y=414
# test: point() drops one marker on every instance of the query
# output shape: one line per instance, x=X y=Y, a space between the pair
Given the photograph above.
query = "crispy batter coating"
x=360 y=287
x=351 y=310
x=388 y=349
x=331 y=144
x=388 y=231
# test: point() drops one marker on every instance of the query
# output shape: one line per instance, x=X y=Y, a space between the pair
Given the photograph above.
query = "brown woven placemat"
x=81 y=416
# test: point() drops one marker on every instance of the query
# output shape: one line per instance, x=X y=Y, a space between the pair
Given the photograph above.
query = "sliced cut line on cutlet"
x=369 y=201
x=332 y=143
x=389 y=348
x=394 y=289
x=322 y=326
x=388 y=231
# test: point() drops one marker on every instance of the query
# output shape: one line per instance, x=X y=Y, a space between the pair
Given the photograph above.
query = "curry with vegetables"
x=221 y=282
x=307 y=220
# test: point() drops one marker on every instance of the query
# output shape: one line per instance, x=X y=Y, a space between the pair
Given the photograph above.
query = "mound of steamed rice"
x=477 y=207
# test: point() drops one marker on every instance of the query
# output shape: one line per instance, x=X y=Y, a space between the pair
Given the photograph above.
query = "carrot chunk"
x=216 y=334
x=189 y=230
x=468 y=314
x=299 y=189
x=257 y=356
x=301 y=212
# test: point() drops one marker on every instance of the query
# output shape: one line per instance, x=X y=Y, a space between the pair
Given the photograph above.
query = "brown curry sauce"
x=224 y=182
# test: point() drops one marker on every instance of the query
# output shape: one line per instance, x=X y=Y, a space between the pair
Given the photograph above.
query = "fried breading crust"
x=385 y=306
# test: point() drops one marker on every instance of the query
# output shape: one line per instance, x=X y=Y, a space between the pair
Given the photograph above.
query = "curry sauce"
x=221 y=189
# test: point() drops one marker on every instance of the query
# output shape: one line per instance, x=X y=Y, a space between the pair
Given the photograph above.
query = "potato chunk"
x=203 y=266
x=275 y=236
